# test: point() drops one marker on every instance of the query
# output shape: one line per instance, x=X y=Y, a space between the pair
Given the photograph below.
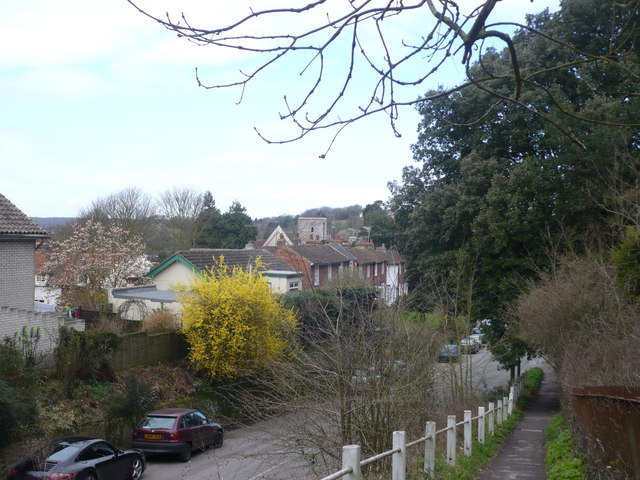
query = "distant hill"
x=51 y=224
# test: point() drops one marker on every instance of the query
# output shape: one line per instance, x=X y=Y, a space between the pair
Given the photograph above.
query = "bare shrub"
x=350 y=379
x=161 y=321
x=582 y=325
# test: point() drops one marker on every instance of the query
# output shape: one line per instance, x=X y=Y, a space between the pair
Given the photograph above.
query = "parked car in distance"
x=81 y=458
x=365 y=376
x=470 y=345
x=476 y=332
x=448 y=352
x=176 y=431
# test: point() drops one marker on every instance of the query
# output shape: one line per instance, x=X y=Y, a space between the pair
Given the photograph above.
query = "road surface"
x=252 y=453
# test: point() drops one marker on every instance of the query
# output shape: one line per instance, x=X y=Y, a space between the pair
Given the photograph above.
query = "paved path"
x=522 y=454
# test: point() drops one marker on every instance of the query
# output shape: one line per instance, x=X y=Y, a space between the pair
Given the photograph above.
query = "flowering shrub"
x=95 y=258
x=232 y=321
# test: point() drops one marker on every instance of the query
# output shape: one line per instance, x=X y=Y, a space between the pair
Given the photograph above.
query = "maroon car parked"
x=176 y=431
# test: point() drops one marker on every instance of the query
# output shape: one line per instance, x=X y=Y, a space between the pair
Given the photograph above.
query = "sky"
x=95 y=97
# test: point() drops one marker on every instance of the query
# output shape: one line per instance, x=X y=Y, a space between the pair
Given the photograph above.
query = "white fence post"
x=399 y=459
x=351 y=459
x=451 y=440
x=481 y=425
x=505 y=405
x=467 y=433
x=499 y=413
x=511 y=397
x=430 y=449
x=492 y=416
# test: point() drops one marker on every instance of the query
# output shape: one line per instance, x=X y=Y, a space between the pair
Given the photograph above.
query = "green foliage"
x=379 y=220
x=561 y=460
x=18 y=387
x=232 y=229
x=532 y=381
x=496 y=192
x=83 y=356
x=137 y=396
x=27 y=341
x=345 y=305
x=626 y=260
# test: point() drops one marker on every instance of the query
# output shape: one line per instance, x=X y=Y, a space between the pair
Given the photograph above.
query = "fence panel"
x=141 y=349
x=610 y=416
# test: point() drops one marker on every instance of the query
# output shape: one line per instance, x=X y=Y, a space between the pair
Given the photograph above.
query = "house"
x=320 y=263
x=277 y=234
x=19 y=238
x=395 y=285
x=136 y=302
x=181 y=267
x=371 y=267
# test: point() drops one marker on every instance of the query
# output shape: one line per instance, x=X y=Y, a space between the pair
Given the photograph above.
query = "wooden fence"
x=142 y=349
x=486 y=420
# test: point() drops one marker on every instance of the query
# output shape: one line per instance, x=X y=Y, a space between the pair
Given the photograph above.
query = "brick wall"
x=17 y=274
x=297 y=263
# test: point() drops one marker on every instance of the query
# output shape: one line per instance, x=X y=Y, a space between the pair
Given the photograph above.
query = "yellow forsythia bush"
x=232 y=321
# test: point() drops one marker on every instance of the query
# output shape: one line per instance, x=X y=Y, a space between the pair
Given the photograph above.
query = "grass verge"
x=562 y=461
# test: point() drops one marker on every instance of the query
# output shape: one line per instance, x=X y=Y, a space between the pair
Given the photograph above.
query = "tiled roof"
x=390 y=255
x=203 y=258
x=366 y=255
x=320 y=253
x=14 y=223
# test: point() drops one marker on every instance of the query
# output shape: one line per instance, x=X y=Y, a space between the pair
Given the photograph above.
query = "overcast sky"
x=95 y=97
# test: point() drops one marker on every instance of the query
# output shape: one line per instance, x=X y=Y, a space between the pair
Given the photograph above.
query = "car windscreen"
x=62 y=452
x=158 y=423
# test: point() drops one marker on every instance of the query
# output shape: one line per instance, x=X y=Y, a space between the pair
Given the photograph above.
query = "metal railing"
x=486 y=420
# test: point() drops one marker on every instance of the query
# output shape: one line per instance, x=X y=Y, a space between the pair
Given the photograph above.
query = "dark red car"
x=177 y=431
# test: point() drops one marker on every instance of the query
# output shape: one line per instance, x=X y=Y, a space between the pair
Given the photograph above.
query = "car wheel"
x=219 y=440
x=87 y=476
x=185 y=455
x=136 y=468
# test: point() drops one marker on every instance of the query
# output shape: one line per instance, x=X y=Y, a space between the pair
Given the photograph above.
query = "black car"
x=82 y=458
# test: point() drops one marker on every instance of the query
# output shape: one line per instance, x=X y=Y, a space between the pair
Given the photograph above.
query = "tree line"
x=178 y=219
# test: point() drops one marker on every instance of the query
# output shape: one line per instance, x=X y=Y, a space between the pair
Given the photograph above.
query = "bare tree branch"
x=317 y=29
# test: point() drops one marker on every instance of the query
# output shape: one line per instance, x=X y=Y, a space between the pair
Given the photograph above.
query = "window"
x=199 y=418
x=368 y=271
x=329 y=272
x=294 y=286
x=375 y=269
x=316 y=275
x=340 y=270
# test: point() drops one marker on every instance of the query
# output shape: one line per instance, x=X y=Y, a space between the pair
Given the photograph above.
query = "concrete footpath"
x=522 y=454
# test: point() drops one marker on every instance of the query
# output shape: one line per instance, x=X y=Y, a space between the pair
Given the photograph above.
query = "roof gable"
x=14 y=223
x=170 y=261
x=272 y=241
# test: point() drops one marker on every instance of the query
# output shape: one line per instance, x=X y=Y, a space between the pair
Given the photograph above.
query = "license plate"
x=152 y=436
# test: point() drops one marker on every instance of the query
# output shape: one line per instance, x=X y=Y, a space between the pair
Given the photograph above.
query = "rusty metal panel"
x=610 y=416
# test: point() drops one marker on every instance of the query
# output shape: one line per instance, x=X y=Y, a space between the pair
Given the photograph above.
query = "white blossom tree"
x=94 y=259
